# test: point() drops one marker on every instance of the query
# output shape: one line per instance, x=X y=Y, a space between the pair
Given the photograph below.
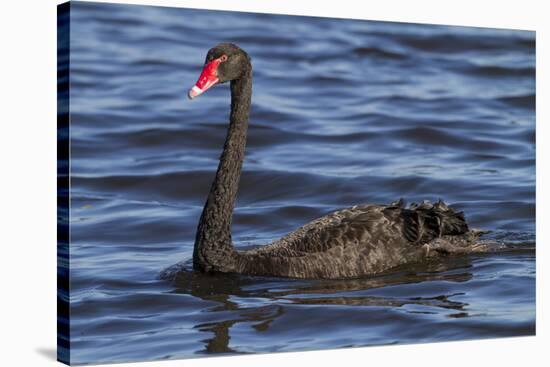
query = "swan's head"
x=223 y=63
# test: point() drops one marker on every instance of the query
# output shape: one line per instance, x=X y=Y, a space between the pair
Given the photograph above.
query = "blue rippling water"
x=344 y=112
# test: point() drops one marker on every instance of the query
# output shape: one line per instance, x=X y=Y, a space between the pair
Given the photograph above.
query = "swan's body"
x=358 y=241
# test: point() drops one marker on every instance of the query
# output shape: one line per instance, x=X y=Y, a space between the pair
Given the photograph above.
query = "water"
x=344 y=112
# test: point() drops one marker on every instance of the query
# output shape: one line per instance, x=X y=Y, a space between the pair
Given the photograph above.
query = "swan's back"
x=361 y=240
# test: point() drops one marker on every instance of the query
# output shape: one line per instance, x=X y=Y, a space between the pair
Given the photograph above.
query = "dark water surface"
x=344 y=112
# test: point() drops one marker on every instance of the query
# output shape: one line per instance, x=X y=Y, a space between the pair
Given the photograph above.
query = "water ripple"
x=344 y=112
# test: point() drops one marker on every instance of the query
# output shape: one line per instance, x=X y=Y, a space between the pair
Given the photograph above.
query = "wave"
x=496 y=71
x=527 y=101
x=379 y=53
x=457 y=43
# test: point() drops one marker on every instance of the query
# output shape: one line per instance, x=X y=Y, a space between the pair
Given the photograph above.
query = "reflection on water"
x=344 y=112
x=233 y=292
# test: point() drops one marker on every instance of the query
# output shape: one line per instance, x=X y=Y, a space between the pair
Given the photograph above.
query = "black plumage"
x=352 y=242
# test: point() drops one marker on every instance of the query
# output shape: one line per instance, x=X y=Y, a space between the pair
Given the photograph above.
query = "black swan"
x=349 y=243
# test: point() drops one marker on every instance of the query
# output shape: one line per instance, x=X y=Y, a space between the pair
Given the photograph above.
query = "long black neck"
x=213 y=246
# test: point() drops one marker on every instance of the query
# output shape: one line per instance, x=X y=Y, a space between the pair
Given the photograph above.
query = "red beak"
x=208 y=78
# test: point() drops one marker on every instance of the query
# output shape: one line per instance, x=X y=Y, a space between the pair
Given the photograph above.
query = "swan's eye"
x=223 y=58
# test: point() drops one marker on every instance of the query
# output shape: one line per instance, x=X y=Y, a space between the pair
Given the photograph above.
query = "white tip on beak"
x=195 y=91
